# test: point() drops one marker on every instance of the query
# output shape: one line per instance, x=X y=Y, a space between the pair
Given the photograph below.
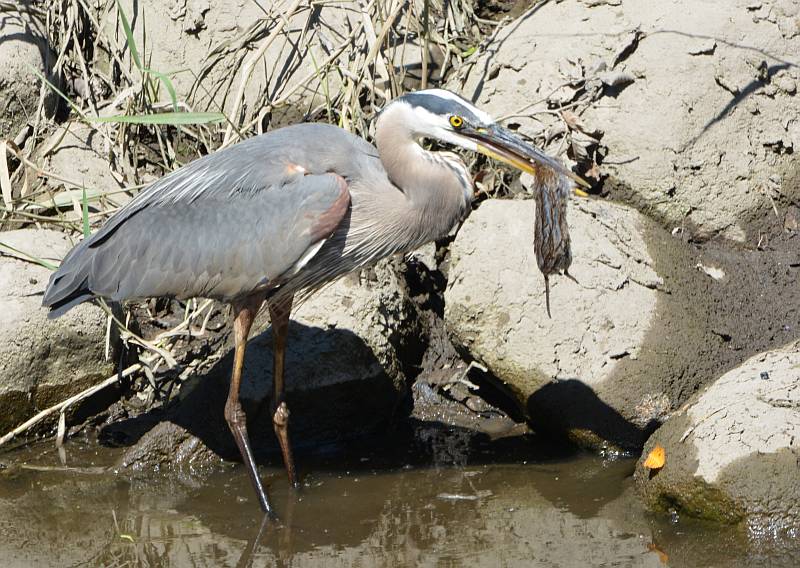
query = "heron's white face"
x=440 y=114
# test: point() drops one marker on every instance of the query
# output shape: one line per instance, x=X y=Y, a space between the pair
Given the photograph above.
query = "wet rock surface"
x=733 y=451
x=696 y=119
x=42 y=362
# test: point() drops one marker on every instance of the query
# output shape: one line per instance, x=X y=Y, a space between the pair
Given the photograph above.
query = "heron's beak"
x=501 y=144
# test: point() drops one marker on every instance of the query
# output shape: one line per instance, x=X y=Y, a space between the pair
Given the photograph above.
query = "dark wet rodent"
x=551 y=240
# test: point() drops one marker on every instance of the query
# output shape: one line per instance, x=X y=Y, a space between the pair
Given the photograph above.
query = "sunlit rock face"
x=733 y=451
x=42 y=362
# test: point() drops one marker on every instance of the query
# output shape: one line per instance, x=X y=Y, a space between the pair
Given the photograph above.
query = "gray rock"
x=347 y=353
x=42 y=362
x=78 y=153
x=168 y=447
x=733 y=451
x=23 y=45
x=681 y=142
x=564 y=369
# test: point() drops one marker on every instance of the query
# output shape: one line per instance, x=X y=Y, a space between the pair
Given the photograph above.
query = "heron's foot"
x=280 y=421
x=236 y=419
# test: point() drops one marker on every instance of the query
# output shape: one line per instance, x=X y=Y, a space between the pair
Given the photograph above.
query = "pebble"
x=786 y=84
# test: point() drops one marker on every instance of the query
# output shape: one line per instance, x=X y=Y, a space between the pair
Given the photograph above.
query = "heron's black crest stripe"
x=441 y=106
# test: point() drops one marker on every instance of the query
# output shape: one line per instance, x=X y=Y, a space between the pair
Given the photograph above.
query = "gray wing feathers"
x=214 y=249
x=222 y=226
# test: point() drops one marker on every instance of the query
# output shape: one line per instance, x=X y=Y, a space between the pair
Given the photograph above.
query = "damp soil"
x=422 y=495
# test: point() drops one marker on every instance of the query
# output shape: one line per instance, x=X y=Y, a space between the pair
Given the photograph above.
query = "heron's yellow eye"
x=456 y=121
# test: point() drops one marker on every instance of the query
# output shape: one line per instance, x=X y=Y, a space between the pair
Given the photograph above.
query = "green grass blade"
x=174 y=118
x=65 y=198
x=85 y=213
x=173 y=95
x=126 y=27
x=55 y=89
x=32 y=258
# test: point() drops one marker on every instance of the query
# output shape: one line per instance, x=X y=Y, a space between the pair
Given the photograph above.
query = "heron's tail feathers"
x=68 y=286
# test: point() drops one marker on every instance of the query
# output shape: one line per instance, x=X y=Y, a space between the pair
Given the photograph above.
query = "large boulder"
x=733 y=452
x=23 y=51
x=696 y=104
x=42 y=362
x=349 y=350
x=564 y=370
x=649 y=321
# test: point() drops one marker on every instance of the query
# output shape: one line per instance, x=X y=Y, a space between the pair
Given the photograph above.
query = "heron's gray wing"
x=220 y=244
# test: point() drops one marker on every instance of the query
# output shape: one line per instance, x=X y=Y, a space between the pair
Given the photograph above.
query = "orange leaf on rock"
x=656 y=458
x=663 y=557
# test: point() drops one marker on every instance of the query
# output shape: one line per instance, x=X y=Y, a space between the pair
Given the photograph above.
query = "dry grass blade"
x=171 y=118
x=372 y=39
x=250 y=65
x=387 y=25
x=28 y=257
x=5 y=178
x=62 y=406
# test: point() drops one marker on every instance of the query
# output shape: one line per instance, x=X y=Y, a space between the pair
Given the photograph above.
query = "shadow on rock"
x=335 y=389
x=570 y=408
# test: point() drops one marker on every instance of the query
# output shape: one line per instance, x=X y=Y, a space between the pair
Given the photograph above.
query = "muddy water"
x=432 y=498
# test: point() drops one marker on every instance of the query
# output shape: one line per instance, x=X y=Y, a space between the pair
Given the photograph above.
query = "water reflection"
x=569 y=511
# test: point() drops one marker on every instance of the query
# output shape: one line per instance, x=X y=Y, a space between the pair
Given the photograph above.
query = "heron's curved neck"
x=438 y=185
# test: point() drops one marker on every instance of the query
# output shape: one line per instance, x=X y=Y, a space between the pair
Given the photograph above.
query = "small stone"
x=791 y=221
x=705 y=47
x=786 y=84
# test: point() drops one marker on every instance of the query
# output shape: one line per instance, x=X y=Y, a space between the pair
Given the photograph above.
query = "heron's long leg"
x=279 y=316
x=243 y=315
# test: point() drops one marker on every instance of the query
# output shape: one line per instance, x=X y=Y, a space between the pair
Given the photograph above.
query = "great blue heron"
x=278 y=216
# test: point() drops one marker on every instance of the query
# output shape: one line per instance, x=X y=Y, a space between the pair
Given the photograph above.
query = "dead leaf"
x=574 y=122
x=656 y=458
x=593 y=172
x=663 y=557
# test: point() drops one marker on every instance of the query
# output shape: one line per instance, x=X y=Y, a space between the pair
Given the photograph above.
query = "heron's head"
x=444 y=116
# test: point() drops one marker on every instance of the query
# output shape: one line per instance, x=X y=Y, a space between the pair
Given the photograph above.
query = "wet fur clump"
x=551 y=241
